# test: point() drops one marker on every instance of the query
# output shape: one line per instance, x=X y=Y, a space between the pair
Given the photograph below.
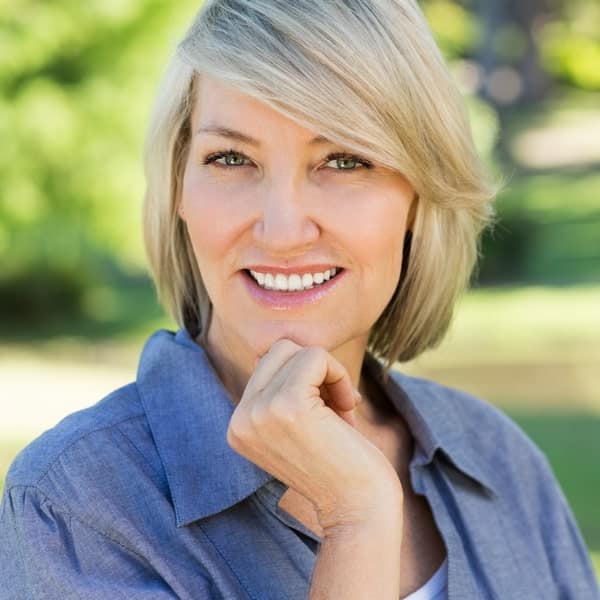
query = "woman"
x=314 y=200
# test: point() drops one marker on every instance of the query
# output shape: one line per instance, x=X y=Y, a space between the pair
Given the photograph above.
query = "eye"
x=348 y=162
x=230 y=158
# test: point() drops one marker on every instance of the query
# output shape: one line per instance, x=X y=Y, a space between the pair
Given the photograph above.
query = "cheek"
x=377 y=229
x=384 y=249
x=208 y=214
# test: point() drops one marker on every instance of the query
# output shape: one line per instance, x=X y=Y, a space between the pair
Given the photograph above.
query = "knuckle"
x=232 y=435
x=314 y=353
x=257 y=415
x=286 y=407
x=231 y=441
x=281 y=410
x=238 y=429
x=283 y=344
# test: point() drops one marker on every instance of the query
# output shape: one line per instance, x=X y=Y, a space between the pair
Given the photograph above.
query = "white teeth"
x=260 y=277
x=307 y=280
x=281 y=282
x=294 y=282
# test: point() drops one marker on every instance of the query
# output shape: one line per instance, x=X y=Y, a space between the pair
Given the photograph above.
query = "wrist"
x=366 y=509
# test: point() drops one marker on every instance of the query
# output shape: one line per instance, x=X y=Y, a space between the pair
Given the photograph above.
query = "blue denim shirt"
x=141 y=497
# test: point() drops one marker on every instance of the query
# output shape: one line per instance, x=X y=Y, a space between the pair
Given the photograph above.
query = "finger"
x=315 y=367
x=349 y=417
x=337 y=382
x=346 y=415
x=271 y=363
x=326 y=395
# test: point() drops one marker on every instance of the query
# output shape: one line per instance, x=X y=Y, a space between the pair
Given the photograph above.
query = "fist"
x=295 y=420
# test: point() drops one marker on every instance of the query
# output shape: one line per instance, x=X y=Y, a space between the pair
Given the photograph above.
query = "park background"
x=76 y=304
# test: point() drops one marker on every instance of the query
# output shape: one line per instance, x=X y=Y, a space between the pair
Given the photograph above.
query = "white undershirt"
x=435 y=588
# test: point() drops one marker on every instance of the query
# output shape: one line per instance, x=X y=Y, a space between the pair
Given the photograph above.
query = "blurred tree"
x=570 y=43
x=76 y=86
x=515 y=58
x=509 y=54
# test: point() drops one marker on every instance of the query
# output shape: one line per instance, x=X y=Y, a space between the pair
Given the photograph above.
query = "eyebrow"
x=238 y=136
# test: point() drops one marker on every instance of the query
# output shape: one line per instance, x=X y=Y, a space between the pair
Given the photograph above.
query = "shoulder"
x=84 y=445
x=527 y=499
x=479 y=418
x=479 y=433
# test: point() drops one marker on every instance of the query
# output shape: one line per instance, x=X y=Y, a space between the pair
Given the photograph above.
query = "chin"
x=299 y=332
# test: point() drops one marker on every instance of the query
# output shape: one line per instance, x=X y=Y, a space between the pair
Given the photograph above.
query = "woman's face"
x=263 y=194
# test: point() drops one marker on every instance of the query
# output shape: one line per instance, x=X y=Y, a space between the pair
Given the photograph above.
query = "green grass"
x=534 y=347
x=508 y=323
x=567 y=314
x=596 y=562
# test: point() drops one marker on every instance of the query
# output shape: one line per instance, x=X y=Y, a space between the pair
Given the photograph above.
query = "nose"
x=285 y=224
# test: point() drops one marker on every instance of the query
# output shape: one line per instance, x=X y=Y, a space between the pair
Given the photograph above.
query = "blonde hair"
x=366 y=74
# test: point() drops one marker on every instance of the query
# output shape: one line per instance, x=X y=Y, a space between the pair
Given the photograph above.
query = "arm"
x=283 y=424
x=362 y=560
x=47 y=553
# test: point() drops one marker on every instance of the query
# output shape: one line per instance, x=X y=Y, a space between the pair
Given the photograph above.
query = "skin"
x=294 y=374
x=287 y=206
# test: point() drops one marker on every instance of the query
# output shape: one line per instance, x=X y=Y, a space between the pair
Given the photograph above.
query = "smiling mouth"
x=279 y=282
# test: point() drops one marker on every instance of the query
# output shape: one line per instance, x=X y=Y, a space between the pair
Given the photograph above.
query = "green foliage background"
x=76 y=87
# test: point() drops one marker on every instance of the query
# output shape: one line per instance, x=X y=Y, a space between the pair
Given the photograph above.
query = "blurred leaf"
x=570 y=48
x=455 y=28
x=510 y=42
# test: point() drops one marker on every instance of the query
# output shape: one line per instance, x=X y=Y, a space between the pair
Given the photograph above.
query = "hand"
x=295 y=420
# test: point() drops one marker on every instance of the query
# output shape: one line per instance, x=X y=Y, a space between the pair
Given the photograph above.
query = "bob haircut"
x=368 y=75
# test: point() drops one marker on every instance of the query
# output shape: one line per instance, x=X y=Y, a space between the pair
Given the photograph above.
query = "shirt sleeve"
x=571 y=564
x=45 y=554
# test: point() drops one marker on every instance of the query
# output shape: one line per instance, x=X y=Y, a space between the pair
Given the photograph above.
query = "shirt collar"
x=188 y=411
x=424 y=406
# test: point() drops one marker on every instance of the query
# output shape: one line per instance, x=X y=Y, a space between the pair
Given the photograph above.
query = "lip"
x=278 y=300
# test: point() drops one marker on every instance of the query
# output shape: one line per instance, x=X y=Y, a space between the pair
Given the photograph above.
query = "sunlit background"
x=76 y=87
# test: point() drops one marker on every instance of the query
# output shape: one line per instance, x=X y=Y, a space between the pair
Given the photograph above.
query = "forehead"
x=216 y=96
x=218 y=104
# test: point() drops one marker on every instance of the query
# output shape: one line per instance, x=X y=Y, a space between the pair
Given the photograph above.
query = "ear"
x=181 y=212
